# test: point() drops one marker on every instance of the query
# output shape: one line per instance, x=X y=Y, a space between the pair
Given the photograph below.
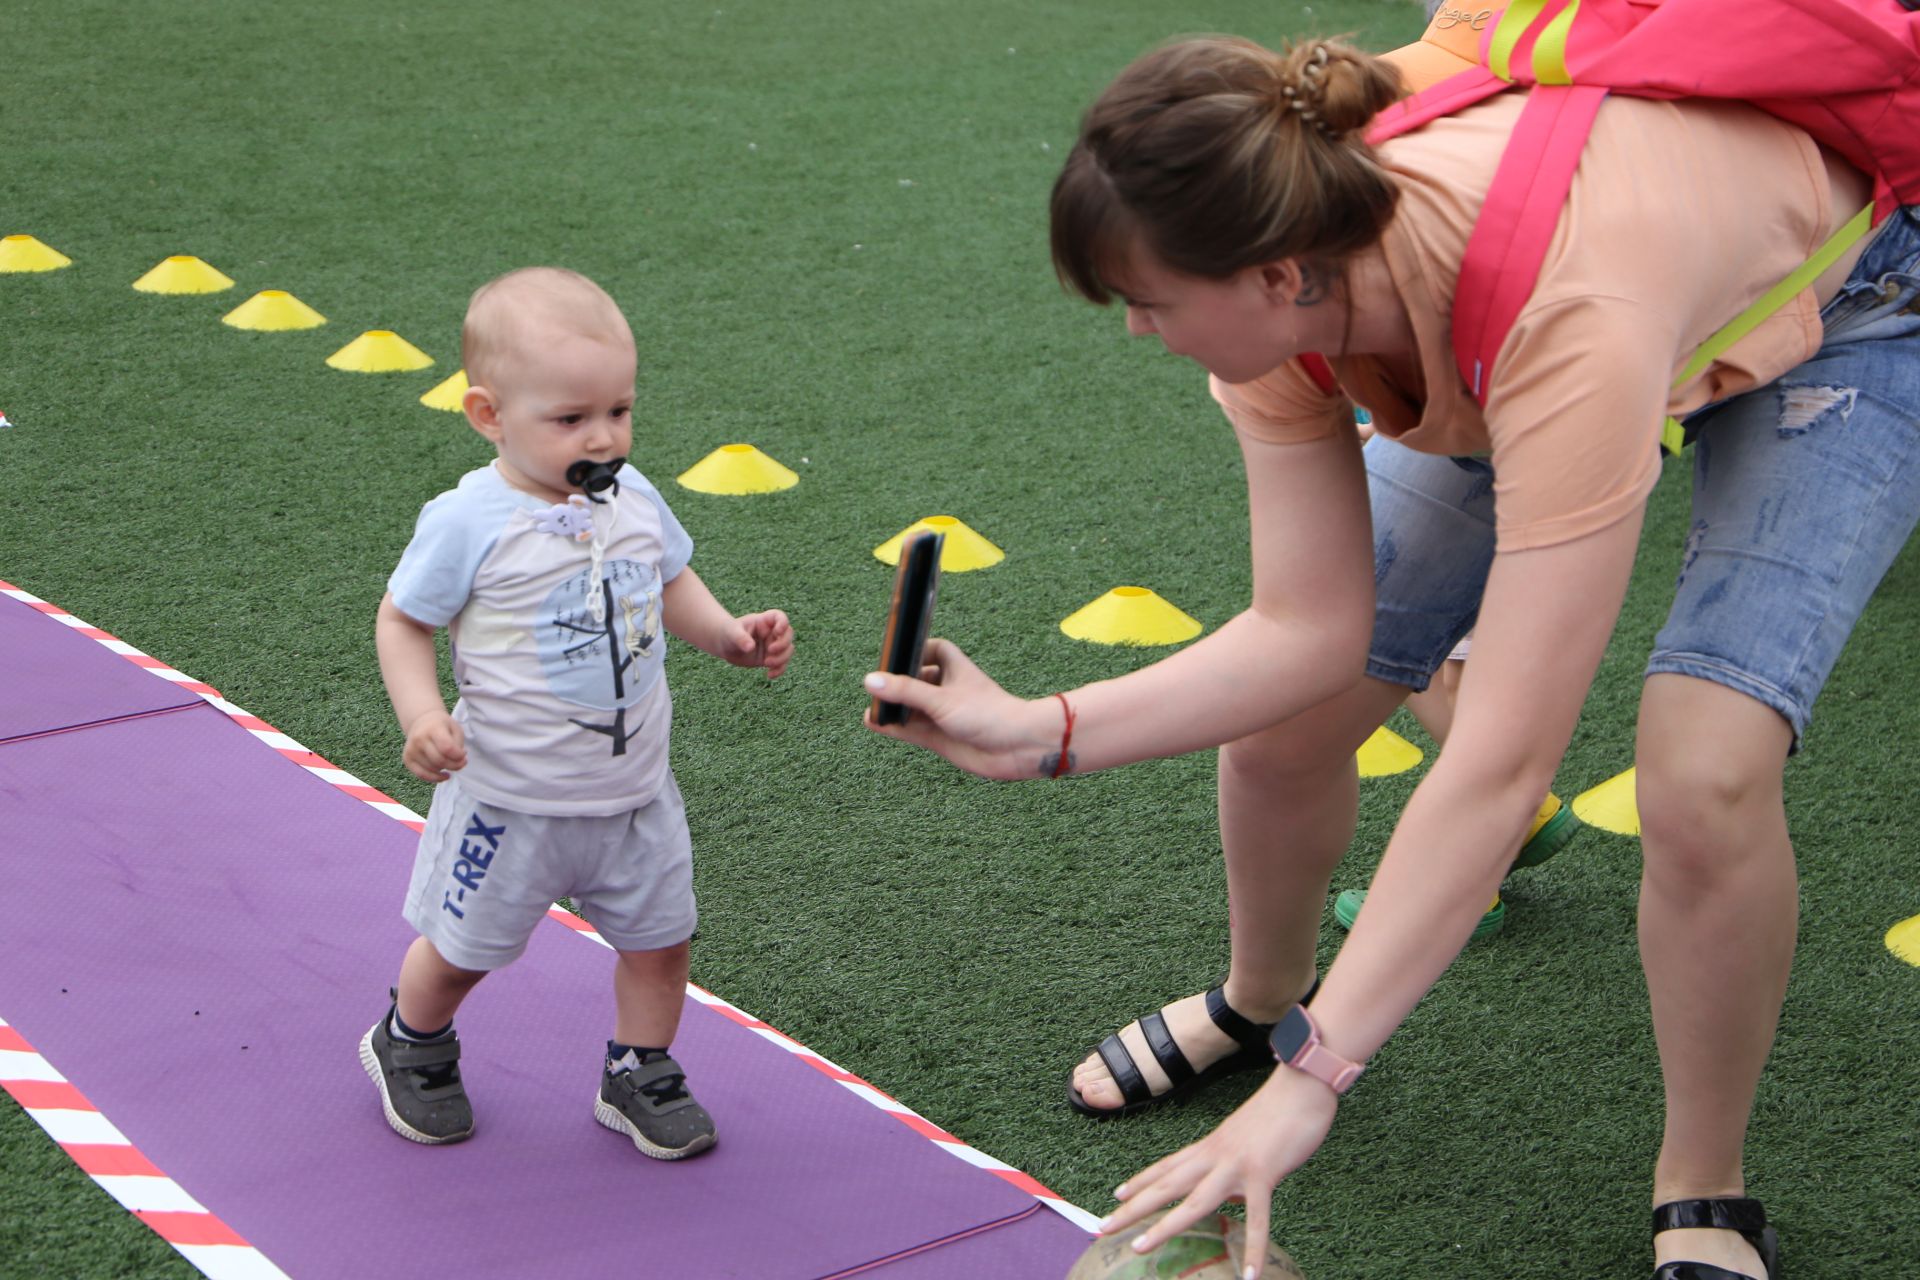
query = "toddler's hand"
x=435 y=745
x=761 y=640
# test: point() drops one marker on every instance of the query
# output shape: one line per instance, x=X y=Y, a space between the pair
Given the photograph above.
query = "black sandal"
x=1730 y=1213
x=1136 y=1094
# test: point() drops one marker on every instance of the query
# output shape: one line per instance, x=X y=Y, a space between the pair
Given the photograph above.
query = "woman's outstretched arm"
x=1302 y=640
x=1544 y=625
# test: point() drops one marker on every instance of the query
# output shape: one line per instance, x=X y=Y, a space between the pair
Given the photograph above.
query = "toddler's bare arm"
x=691 y=612
x=410 y=668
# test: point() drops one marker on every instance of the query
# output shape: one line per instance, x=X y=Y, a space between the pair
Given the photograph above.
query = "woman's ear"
x=1288 y=283
x=483 y=412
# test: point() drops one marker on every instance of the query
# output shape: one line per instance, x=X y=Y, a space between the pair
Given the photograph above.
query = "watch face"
x=1291 y=1034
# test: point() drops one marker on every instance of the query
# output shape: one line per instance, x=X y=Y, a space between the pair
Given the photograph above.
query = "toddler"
x=555 y=569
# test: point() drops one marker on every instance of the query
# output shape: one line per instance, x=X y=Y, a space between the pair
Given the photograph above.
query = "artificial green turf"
x=827 y=223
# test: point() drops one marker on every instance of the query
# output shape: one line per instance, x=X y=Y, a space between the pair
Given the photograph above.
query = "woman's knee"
x=1707 y=779
x=1706 y=816
x=1288 y=757
x=1311 y=755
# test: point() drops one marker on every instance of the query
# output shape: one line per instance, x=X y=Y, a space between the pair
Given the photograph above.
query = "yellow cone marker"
x=1386 y=752
x=1610 y=806
x=1904 y=940
x=273 y=310
x=449 y=394
x=24 y=253
x=737 y=469
x=963 y=550
x=379 y=351
x=1131 y=615
x=183 y=273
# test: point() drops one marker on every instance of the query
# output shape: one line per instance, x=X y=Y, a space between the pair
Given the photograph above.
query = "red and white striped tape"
x=280 y=742
x=903 y=1113
x=867 y=1093
x=104 y=1154
x=340 y=778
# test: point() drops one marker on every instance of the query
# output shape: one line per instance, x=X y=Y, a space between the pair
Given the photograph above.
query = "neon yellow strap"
x=1775 y=298
x=1513 y=24
x=1550 y=50
x=1550 y=67
x=1673 y=436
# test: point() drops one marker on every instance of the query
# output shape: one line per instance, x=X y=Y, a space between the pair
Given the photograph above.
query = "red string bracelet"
x=1066 y=735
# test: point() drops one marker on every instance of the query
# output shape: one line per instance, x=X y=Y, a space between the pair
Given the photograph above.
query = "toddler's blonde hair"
x=507 y=312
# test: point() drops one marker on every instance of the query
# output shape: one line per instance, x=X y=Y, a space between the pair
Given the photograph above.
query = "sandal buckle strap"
x=1165 y=1051
x=1133 y=1086
x=1697 y=1271
x=1242 y=1030
x=1727 y=1213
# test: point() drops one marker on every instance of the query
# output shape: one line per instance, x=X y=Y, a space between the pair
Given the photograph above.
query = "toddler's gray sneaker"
x=650 y=1104
x=419 y=1085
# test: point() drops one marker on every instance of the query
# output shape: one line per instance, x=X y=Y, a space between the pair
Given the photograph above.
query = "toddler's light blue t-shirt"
x=564 y=711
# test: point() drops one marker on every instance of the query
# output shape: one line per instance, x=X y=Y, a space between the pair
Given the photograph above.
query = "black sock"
x=642 y=1055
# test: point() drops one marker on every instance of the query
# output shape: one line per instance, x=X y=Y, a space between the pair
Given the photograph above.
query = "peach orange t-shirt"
x=1681 y=214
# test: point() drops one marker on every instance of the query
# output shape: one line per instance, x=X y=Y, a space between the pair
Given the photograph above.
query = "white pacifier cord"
x=596 y=551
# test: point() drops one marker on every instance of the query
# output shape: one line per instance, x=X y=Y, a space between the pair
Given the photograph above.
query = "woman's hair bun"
x=1213 y=153
x=1333 y=87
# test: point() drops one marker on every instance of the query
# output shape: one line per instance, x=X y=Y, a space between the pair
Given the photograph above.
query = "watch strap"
x=1326 y=1066
x=1309 y=1054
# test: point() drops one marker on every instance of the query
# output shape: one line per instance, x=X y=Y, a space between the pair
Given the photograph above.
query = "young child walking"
x=555 y=569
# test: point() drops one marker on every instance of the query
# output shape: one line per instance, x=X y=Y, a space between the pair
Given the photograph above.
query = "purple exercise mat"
x=196 y=932
x=57 y=678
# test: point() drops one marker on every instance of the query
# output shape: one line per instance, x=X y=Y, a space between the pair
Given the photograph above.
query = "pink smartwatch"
x=1295 y=1041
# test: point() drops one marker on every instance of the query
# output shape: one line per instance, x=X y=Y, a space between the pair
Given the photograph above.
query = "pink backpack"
x=1846 y=71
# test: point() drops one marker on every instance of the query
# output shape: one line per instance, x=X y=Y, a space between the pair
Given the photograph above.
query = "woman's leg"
x=1804 y=492
x=1288 y=798
x=1719 y=907
x=1288 y=801
x=1433 y=705
x=1288 y=795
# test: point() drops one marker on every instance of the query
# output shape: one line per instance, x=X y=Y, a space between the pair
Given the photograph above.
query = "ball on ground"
x=1214 y=1248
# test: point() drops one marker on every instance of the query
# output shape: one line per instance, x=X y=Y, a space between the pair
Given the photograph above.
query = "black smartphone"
x=908 y=618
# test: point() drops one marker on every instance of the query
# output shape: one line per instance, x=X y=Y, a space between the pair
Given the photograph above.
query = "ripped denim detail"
x=1804 y=408
x=1691 y=552
x=1385 y=552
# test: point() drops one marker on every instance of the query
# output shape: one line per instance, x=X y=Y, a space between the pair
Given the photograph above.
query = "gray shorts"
x=484 y=876
x=1804 y=491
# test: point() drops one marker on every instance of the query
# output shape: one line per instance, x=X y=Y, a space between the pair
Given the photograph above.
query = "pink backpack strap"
x=1517 y=223
x=1846 y=71
x=1443 y=99
x=1455 y=93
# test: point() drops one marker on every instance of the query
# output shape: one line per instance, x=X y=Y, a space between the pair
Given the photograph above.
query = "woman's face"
x=1236 y=329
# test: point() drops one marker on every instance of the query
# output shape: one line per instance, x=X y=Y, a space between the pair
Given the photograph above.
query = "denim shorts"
x=1804 y=492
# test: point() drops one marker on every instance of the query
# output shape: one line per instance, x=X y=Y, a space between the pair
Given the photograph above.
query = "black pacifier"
x=594 y=478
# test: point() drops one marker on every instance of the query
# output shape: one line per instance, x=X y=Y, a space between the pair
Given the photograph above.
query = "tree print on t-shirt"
x=607 y=663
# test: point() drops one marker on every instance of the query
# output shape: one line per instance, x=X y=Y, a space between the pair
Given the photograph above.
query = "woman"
x=1223 y=192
